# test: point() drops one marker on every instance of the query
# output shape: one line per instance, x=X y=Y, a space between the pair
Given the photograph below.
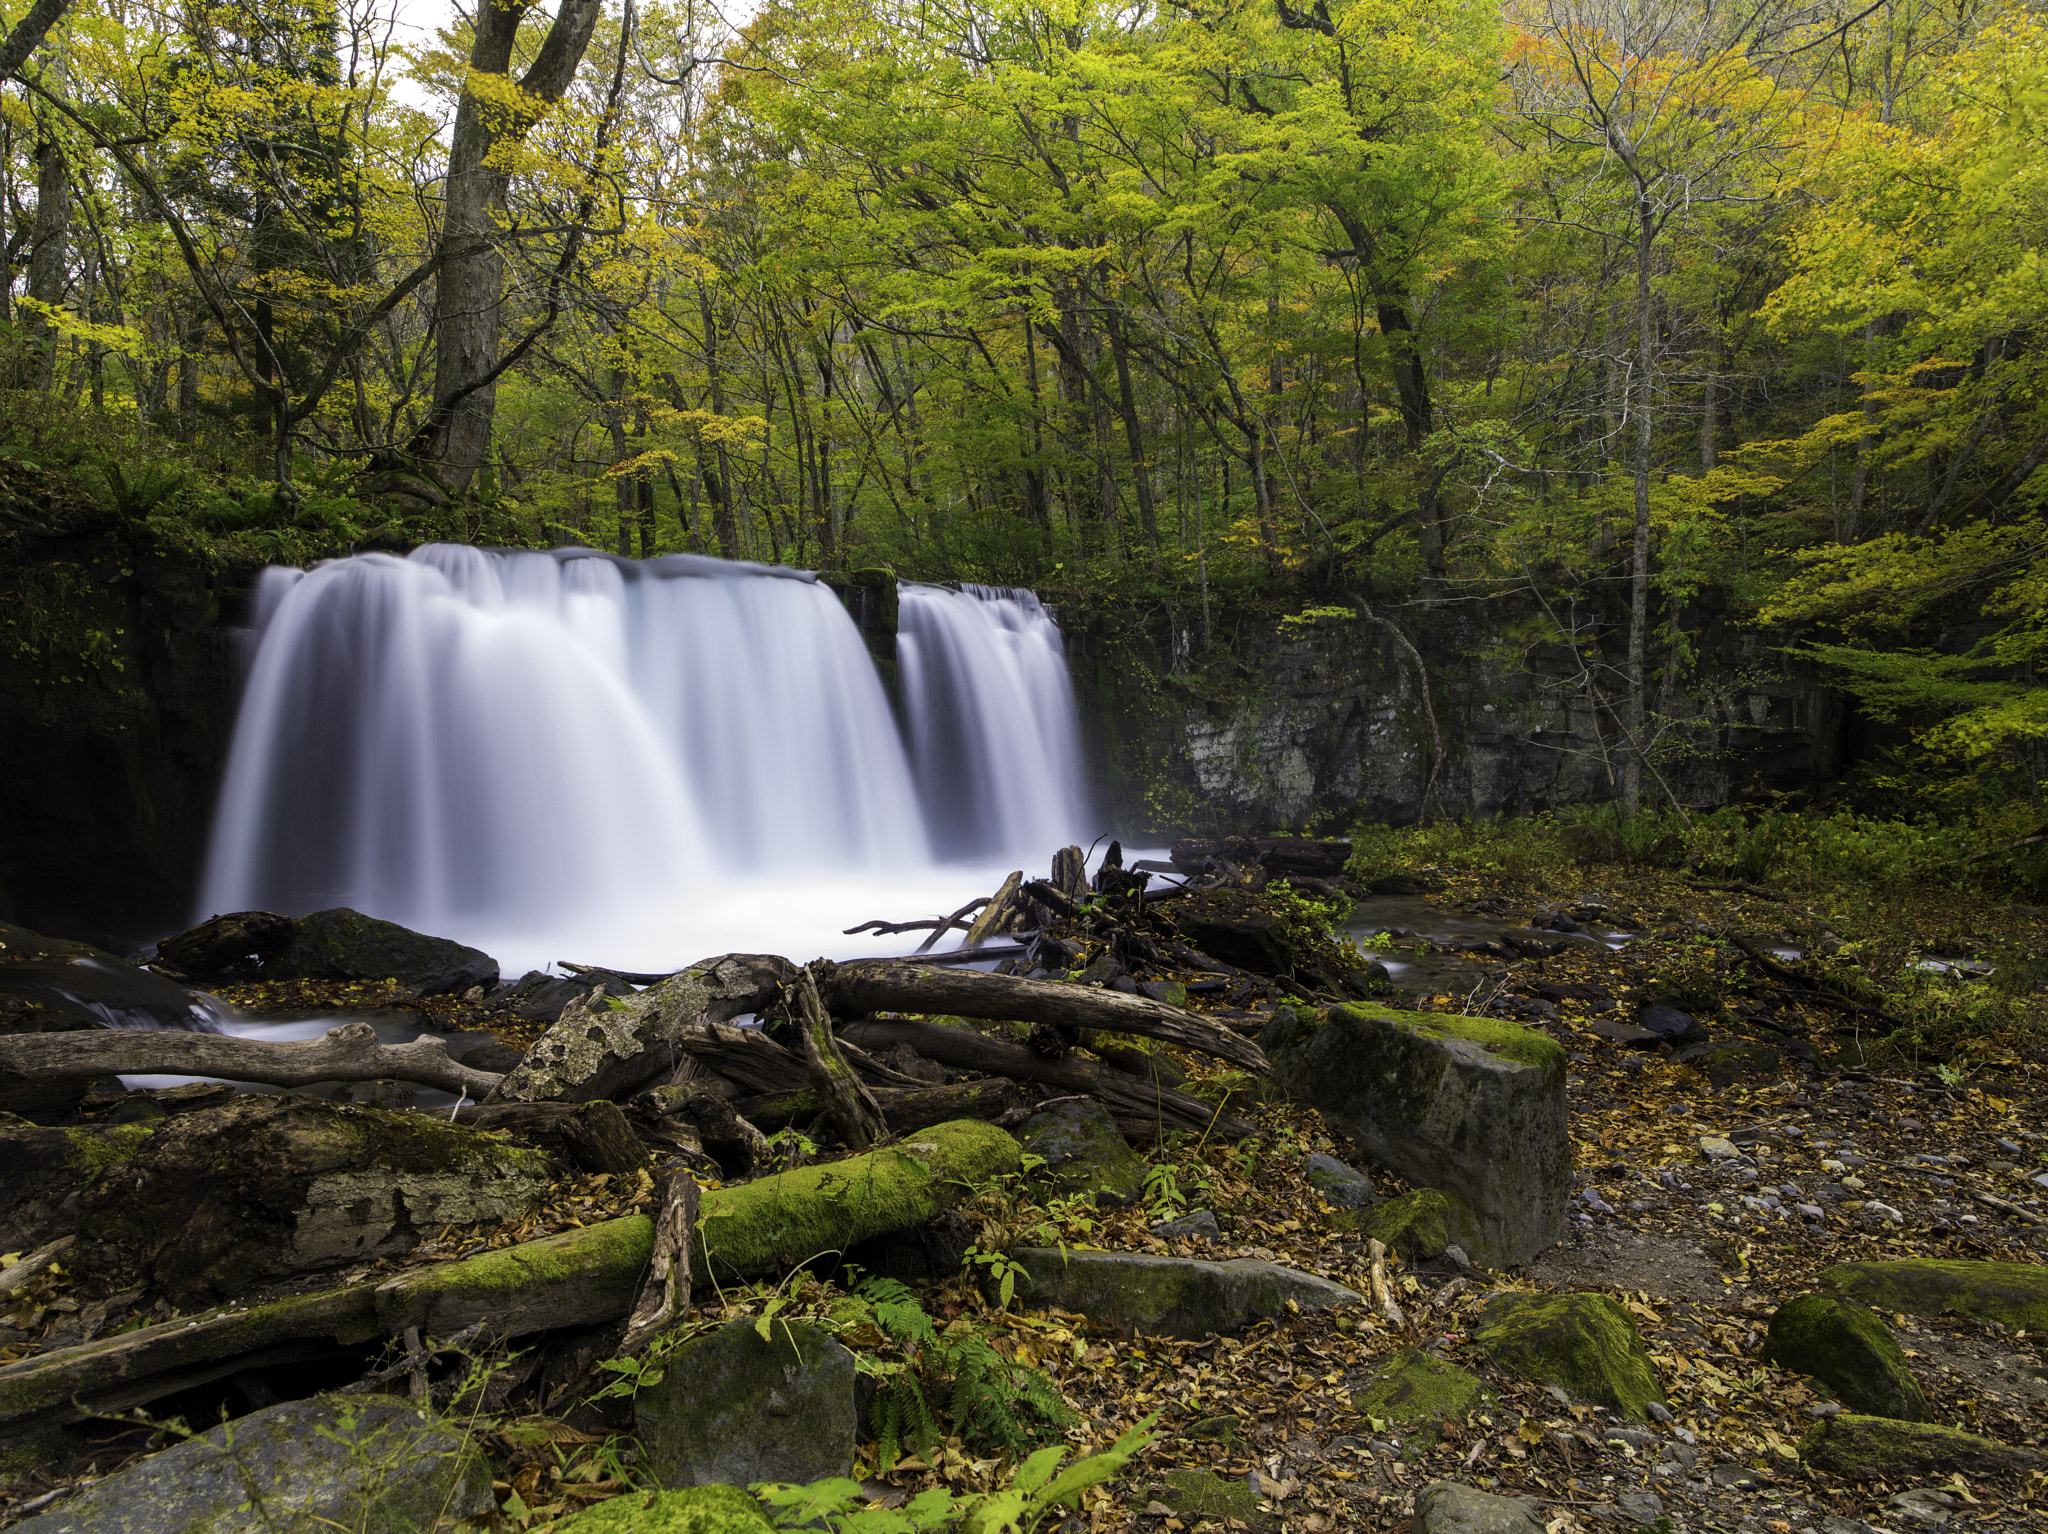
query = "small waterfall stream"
x=640 y=761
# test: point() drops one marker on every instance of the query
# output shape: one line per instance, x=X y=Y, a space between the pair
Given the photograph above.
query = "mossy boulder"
x=47 y=1169
x=1197 y=1494
x=1173 y=1296
x=1470 y=1105
x=1886 y=1449
x=1449 y=1507
x=691 y=1510
x=792 y=1217
x=736 y=1406
x=1586 y=1344
x=1084 y=1152
x=2014 y=1294
x=219 y=1201
x=349 y=1462
x=1416 y=1394
x=1423 y=1224
x=1849 y=1350
x=340 y=944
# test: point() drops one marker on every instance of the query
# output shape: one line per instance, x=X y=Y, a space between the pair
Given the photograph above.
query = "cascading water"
x=644 y=762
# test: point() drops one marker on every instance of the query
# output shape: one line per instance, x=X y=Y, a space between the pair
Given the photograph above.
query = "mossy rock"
x=1886 y=1449
x=693 y=1510
x=1586 y=1344
x=1084 y=1152
x=734 y=1407
x=1417 y=1393
x=1194 y=1494
x=45 y=1167
x=1423 y=1224
x=345 y=945
x=1849 y=1350
x=1731 y=1065
x=2015 y=1294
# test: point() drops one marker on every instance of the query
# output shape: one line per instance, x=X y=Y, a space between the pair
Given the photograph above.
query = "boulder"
x=220 y=1201
x=1195 y=1495
x=1882 y=1448
x=1343 y=1186
x=1470 y=1105
x=1849 y=1350
x=1225 y=925
x=1448 y=1507
x=1586 y=1344
x=1084 y=1152
x=47 y=1170
x=608 y=1046
x=1173 y=1296
x=1415 y=1388
x=689 y=1510
x=1424 y=1224
x=2014 y=1294
x=348 y=1462
x=735 y=1407
x=345 y=945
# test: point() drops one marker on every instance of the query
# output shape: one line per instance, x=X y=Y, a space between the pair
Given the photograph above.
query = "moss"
x=694 y=1510
x=1423 y=1224
x=790 y=1218
x=1583 y=1343
x=421 y=1144
x=1879 y=1447
x=1416 y=1392
x=2012 y=1293
x=1204 y=1494
x=1511 y=1041
x=1850 y=1351
x=94 y=1150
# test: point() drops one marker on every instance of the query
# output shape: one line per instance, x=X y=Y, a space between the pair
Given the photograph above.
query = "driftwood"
x=995 y=913
x=601 y=1140
x=864 y=986
x=1142 y=1109
x=908 y=1109
x=348 y=1053
x=847 y=1102
x=665 y=1292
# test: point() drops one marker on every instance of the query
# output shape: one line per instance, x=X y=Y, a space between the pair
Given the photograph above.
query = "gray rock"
x=1670 y=1024
x=734 y=1407
x=1471 y=1105
x=1450 y=1508
x=1344 y=1186
x=1176 y=1296
x=1195 y=1225
x=352 y=1462
x=340 y=944
x=1084 y=1151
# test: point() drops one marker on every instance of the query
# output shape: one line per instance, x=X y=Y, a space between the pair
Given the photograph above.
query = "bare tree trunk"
x=472 y=275
x=49 y=248
x=1633 y=709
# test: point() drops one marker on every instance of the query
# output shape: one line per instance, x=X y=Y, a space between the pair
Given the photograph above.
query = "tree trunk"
x=470 y=286
x=49 y=249
x=1634 y=711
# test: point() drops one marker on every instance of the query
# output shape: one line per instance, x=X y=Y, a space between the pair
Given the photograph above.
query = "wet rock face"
x=352 y=1462
x=1849 y=1350
x=1470 y=1105
x=218 y=1202
x=735 y=1407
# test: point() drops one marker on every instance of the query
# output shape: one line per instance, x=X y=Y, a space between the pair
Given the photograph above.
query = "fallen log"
x=665 y=1292
x=908 y=1109
x=879 y=985
x=348 y=1053
x=1142 y=1109
x=583 y=1277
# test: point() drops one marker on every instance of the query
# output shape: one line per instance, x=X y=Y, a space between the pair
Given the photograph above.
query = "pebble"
x=1855 y=1182
x=1812 y=1212
x=1886 y=1210
x=1790 y=1190
x=1715 y=1148
x=2012 y=1147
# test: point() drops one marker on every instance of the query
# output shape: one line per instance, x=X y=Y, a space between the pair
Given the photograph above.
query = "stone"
x=237 y=945
x=1849 y=1350
x=1586 y=1344
x=1084 y=1152
x=687 y=1510
x=2014 y=1294
x=1719 y=1148
x=1670 y=1024
x=1447 y=1507
x=47 y=1170
x=1425 y=1223
x=1729 y=1065
x=1195 y=1225
x=1198 y=1494
x=345 y=945
x=1171 y=1296
x=1343 y=1186
x=1473 y=1106
x=734 y=1407
x=350 y=1462
x=1417 y=1392
x=1627 y=1035
x=1883 y=1448
x=1226 y=926
x=220 y=1201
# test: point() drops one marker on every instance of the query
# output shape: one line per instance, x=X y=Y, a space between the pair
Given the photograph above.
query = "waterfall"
x=650 y=760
